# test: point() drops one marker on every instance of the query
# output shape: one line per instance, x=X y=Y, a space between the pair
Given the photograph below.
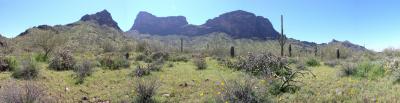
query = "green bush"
x=40 y=57
x=8 y=64
x=366 y=69
x=312 y=62
x=28 y=70
x=241 y=92
x=180 y=58
x=114 y=63
x=140 y=57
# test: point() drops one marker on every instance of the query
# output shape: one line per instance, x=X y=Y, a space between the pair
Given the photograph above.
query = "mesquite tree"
x=282 y=37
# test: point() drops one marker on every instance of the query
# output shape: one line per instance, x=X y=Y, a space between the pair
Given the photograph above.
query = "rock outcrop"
x=101 y=18
x=237 y=24
x=242 y=24
x=150 y=24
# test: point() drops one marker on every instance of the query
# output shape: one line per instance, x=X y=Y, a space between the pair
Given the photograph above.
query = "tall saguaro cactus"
x=282 y=37
x=232 y=51
x=181 y=48
x=337 y=53
x=316 y=50
x=290 y=50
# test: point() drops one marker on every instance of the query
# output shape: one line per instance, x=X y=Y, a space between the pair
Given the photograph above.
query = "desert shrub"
x=394 y=66
x=108 y=46
x=145 y=90
x=28 y=70
x=160 y=55
x=82 y=70
x=366 y=69
x=200 y=63
x=264 y=64
x=312 y=62
x=29 y=92
x=114 y=63
x=40 y=57
x=140 y=57
x=180 y=58
x=8 y=64
x=268 y=65
x=348 y=69
x=293 y=61
x=331 y=63
x=63 y=60
x=370 y=70
x=241 y=92
x=140 y=71
x=142 y=46
x=157 y=65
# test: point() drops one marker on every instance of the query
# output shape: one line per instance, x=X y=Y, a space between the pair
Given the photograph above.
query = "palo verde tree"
x=282 y=38
x=47 y=41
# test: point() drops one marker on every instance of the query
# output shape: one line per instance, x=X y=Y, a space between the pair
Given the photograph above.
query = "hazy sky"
x=375 y=23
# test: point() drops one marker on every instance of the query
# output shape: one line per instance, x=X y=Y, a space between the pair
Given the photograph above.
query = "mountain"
x=238 y=24
x=242 y=24
x=150 y=24
x=347 y=44
x=101 y=18
x=89 y=33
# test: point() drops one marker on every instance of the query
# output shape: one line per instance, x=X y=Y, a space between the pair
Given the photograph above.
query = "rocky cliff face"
x=101 y=18
x=237 y=24
x=150 y=24
x=242 y=24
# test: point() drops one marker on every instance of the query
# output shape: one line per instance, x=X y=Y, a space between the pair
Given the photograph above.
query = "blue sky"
x=373 y=23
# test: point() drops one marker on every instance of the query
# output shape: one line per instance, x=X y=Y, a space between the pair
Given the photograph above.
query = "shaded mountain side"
x=237 y=24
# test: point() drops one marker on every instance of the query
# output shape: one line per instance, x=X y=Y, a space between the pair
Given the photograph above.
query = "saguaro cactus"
x=337 y=53
x=316 y=50
x=290 y=50
x=181 y=49
x=232 y=51
x=282 y=37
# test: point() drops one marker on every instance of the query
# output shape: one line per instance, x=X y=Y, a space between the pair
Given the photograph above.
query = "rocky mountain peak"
x=242 y=24
x=148 y=23
x=101 y=18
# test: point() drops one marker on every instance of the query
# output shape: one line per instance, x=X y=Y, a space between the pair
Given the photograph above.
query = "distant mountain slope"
x=238 y=24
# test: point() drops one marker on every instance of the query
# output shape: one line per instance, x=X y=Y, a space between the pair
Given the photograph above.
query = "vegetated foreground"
x=182 y=81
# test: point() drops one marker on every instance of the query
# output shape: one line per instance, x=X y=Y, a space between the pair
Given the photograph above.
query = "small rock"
x=85 y=98
x=166 y=95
